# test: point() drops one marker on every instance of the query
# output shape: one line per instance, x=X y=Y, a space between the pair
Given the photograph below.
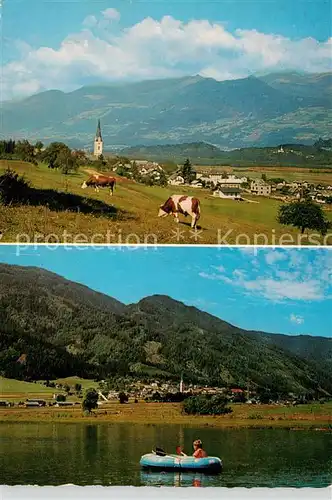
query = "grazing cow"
x=98 y=181
x=180 y=204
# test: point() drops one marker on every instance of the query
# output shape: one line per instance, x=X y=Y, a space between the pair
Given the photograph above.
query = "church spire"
x=98 y=143
x=98 y=133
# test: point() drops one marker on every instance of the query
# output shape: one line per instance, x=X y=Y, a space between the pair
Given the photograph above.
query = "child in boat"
x=198 y=447
x=198 y=450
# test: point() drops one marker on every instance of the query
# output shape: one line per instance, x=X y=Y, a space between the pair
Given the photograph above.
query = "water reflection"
x=149 y=478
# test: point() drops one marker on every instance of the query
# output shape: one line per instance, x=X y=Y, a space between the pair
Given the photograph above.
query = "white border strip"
x=69 y=492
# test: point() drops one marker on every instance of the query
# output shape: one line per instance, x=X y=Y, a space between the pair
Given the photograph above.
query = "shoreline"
x=263 y=417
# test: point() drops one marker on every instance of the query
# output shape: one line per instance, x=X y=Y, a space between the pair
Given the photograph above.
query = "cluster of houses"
x=226 y=185
x=145 y=170
x=289 y=190
x=147 y=391
x=232 y=187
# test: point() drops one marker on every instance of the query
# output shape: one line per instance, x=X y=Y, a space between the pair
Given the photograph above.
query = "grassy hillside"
x=50 y=328
x=11 y=386
x=232 y=114
x=131 y=211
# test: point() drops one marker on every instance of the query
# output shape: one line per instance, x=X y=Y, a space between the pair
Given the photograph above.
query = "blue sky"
x=64 y=44
x=280 y=291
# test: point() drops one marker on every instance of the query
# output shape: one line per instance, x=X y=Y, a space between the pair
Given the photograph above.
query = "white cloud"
x=274 y=256
x=158 y=48
x=307 y=277
x=111 y=14
x=220 y=268
x=298 y=320
x=90 y=21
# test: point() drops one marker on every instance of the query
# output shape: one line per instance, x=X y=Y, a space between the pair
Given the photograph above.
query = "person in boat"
x=198 y=449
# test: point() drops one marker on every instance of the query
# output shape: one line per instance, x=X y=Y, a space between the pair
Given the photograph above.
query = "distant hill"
x=282 y=108
x=317 y=86
x=315 y=155
x=51 y=327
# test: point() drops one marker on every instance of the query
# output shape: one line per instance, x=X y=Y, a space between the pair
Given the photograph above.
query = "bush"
x=206 y=405
x=90 y=401
x=255 y=416
x=61 y=397
x=123 y=398
x=13 y=188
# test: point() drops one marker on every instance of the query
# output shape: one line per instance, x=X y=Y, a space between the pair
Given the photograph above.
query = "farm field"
x=290 y=174
x=17 y=390
x=130 y=216
x=316 y=416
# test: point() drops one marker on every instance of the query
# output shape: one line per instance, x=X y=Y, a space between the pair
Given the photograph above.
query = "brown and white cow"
x=99 y=181
x=180 y=204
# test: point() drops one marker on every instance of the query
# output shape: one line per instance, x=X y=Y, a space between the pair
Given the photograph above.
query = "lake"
x=109 y=454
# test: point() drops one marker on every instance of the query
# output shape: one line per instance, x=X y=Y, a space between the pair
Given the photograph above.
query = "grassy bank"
x=130 y=216
x=12 y=390
x=313 y=416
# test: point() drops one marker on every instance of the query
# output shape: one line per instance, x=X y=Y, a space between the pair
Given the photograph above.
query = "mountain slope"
x=63 y=328
x=317 y=86
x=234 y=113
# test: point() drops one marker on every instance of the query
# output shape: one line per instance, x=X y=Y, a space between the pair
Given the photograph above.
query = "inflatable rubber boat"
x=153 y=461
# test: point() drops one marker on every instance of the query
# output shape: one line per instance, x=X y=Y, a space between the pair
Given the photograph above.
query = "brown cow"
x=180 y=204
x=98 y=181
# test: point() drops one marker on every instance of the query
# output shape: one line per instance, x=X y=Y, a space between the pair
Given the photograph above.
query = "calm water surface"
x=109 y=454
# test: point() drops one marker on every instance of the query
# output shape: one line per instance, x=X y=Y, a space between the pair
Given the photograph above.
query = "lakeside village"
x=125 y=390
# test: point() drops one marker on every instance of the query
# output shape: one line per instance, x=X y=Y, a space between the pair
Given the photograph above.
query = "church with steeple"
x=98 y=144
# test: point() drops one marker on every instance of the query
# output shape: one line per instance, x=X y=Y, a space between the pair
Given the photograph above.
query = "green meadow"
x=130 y=216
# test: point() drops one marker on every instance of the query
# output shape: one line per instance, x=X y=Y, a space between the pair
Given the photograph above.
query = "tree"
x=264 y=178
x=60 y=397
x=187 y=172
x=80 y=157
x=102 y=159
x=39 y=146
x=162 y=181
x=78 y=387
x=304 y=214
x=59 y=155
x=123 y=398
x=135 y=173
x=90 y=400
x=25 y=151
x=66 y=161
x=206 y=405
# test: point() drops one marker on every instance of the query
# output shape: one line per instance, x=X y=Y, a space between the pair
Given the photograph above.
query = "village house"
x=196 y=183
x=229 y=181
x=149 y=168
x=176 y=180
x=232 y=193
x=261 y=188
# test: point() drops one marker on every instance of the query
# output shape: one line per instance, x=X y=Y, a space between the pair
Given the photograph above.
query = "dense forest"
x=51 y=327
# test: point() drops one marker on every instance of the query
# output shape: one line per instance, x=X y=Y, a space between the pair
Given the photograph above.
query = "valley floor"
x=313 y=416
x=130 y=216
